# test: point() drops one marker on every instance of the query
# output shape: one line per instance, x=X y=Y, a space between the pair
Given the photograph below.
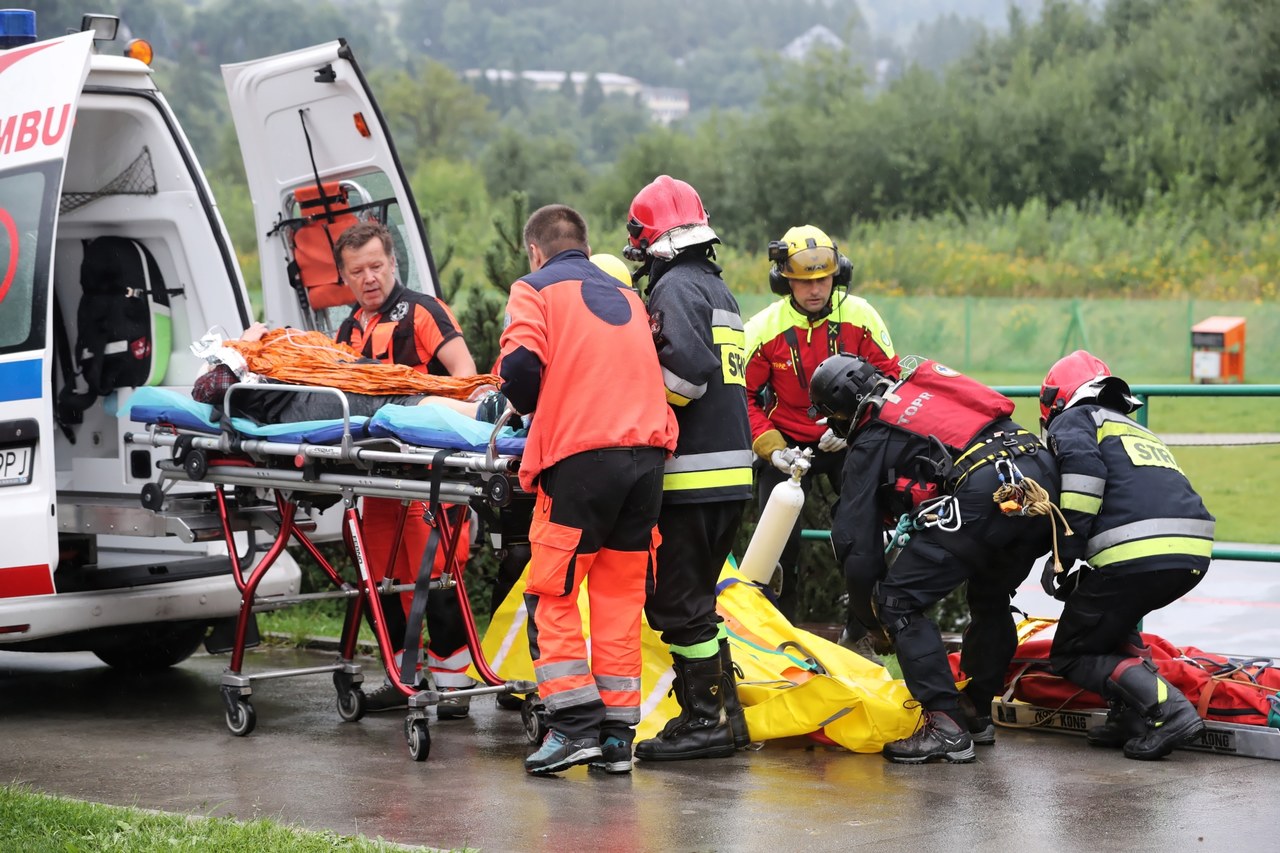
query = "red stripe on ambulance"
x=17 y=581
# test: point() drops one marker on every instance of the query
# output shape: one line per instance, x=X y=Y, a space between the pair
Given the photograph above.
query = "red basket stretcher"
x=411 y=453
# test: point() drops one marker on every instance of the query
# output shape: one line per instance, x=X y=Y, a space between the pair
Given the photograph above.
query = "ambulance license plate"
x=16 y=462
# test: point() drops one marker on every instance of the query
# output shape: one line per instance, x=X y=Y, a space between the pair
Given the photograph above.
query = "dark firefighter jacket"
x=1124 y=495
x=698 y=332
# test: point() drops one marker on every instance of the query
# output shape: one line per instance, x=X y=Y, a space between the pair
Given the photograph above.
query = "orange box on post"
x=1217 y=350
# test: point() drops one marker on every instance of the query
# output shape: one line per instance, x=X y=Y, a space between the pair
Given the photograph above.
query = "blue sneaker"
x=560 y=753
x=615 y=756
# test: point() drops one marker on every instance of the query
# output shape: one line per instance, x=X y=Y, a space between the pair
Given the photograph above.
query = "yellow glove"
x=769 y=441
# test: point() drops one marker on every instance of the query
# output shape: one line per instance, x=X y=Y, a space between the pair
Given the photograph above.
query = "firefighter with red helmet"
x=929 y=452
x=1146 y=538
x=816 y=318
x=698 y=332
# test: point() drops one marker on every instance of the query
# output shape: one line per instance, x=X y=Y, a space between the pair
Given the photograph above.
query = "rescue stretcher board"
x=1218 y=737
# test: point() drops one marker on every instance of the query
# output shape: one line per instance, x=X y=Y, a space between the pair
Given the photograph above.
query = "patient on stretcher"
x=290 y=356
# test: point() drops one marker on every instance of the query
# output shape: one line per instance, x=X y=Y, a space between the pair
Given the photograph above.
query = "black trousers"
x=680 y=602
x=826 y=465
x=1098 y=629
x=993 y=554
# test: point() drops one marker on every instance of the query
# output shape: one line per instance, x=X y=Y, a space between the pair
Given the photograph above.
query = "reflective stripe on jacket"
x=1124 y=495
x=698 y=332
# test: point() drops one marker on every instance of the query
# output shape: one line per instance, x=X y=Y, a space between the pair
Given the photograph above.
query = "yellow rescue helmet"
x=614 y=266
x=805 y=252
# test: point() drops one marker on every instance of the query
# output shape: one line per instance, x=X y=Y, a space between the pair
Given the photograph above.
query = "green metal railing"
x=1259 y=553
x=1143 y=392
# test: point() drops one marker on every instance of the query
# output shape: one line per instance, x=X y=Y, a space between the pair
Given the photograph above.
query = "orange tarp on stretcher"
x=312 y=358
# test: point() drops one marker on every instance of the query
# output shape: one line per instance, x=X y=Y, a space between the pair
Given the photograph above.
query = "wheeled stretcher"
x=413 y=453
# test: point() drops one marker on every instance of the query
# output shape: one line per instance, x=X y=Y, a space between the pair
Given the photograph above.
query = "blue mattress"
x=422 y=426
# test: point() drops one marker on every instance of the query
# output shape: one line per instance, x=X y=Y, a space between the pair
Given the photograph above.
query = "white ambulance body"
x=90 y=148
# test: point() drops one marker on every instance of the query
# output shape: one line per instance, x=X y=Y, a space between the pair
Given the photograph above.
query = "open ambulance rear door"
x=41 y=85
x=319 y=156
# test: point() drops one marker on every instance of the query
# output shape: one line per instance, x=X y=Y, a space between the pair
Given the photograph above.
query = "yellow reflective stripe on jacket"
x=706 y=479
x=676 y=400
x=1151 y=537
x=725 y=335
x=1114 y=428
x=1156 y=547
x=715 y=470
x=1087 y=504
x=1082 y=493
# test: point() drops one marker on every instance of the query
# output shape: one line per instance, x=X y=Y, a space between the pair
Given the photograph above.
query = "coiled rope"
x=1027 y=497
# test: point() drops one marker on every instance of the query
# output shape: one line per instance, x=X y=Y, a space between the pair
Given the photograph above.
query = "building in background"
x=665 y=104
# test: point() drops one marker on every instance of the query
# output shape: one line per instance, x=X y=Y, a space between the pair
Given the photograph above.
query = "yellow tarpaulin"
x=793 y=682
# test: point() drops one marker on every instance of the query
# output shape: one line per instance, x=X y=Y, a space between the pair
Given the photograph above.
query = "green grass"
x=297 y=625
x=34 y=822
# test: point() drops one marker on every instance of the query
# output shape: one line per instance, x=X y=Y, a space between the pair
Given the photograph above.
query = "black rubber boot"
x=1171 y=719
x=701 y=730
x=1122 y=725
x=732 y=705
x=939 y=738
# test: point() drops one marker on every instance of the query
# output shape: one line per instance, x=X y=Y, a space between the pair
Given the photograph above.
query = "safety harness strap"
x=1010 y=445
x=412 y=653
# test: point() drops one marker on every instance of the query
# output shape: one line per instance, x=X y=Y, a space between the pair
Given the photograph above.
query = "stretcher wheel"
x=152 y=497
x=533 y=715
x=196 y=464
x=499 y=489
x=419 y=739
x=351 y=704
x=243 y=719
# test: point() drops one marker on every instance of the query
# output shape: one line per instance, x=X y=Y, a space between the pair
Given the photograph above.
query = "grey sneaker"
x=386 y=698
x=560 y=753
x=615 y=756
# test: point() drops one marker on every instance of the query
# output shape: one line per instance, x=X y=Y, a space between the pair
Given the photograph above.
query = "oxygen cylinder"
x=772 y=531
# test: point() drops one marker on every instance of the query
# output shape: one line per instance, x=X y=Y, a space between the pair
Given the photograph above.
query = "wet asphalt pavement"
x=72 y=726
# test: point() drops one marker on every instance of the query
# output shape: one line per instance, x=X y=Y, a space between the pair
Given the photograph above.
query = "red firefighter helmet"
x=1083 y=376
x=665 y=217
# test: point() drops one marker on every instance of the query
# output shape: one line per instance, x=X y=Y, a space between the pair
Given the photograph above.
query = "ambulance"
x=114 y=259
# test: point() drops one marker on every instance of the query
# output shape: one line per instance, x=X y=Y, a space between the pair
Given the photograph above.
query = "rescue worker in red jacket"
x=697 y=330
x=816 y=318
x=935 y=446
x=396 y=325
x=577 y=353
x=1146 y=538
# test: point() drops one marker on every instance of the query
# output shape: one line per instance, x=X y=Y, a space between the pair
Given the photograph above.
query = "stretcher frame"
x=1218 y=737
x=366 y=468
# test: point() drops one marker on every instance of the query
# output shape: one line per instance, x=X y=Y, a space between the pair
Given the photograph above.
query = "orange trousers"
x=594 y=522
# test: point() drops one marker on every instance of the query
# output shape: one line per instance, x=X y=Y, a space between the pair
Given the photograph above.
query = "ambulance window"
x=378 y=186
x=27 y=203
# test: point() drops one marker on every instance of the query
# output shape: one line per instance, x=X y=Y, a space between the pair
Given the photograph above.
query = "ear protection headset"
x=779 y=251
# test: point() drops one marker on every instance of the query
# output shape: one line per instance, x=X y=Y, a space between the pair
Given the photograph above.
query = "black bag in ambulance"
x=124 y=333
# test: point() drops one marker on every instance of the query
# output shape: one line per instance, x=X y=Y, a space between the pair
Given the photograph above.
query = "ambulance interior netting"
x=138 y=178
